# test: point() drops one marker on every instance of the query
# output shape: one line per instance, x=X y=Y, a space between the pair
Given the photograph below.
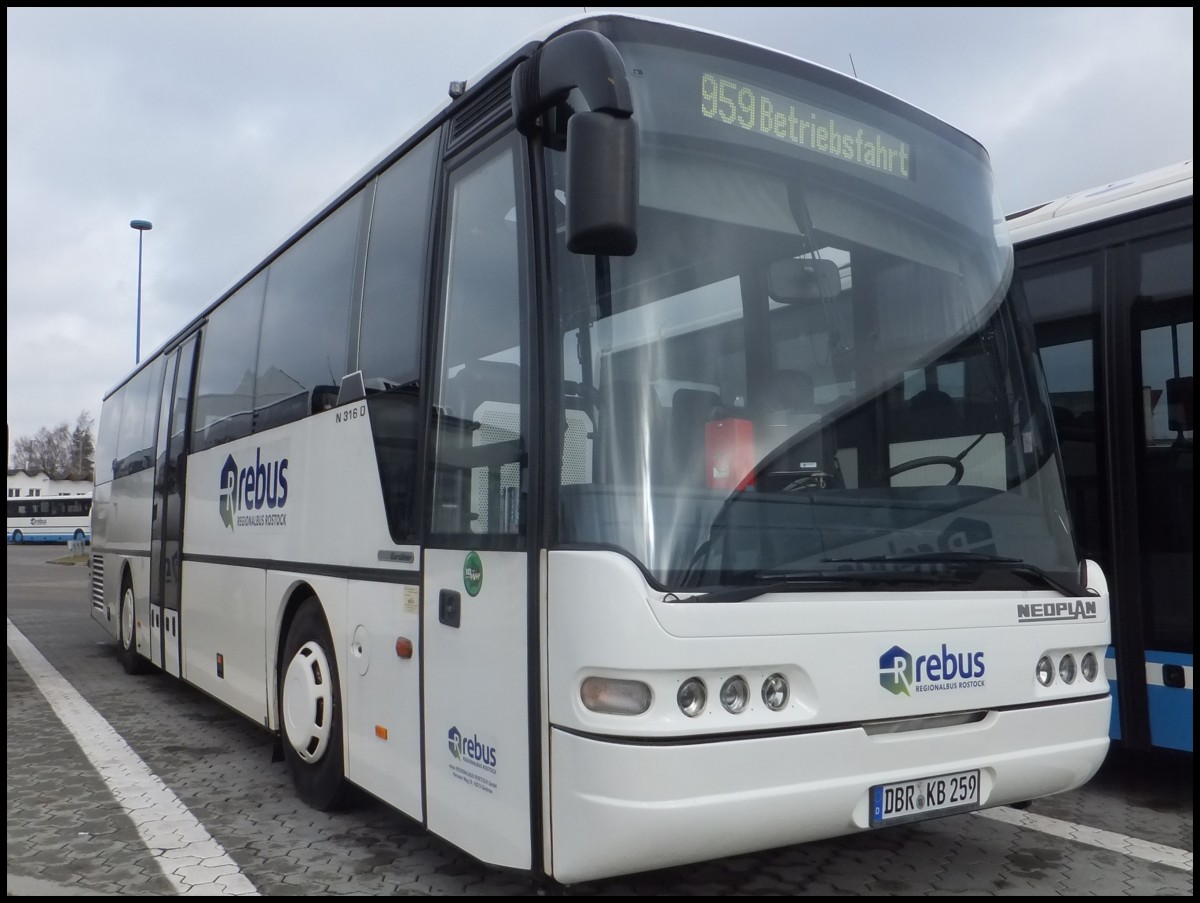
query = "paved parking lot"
x=95 y=758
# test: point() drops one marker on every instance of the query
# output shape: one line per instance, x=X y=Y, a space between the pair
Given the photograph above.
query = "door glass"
x=1064 y=297
x=175 y=476
x=159 y=511
x=479 y=454
x=1162 y=317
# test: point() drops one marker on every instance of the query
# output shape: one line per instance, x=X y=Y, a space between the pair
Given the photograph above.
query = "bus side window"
x=302 y=344
x=225 y=385
x=390 y=330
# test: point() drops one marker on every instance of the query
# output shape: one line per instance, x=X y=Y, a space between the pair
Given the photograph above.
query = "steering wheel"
x=811 y=479
x=930 y=461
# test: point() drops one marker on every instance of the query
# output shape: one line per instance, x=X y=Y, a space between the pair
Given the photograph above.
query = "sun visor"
x=880 y=228
x=714 y=190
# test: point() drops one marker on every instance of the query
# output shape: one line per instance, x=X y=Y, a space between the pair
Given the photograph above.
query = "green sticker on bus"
x=473 y=574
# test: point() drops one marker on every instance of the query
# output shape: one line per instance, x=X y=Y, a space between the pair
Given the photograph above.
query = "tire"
x=79 y=535
x=310 y=711
x=17 y=536
x=126 y=621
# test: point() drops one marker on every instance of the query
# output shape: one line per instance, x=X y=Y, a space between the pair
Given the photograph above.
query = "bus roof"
x=1083 y=208
x=539 y=35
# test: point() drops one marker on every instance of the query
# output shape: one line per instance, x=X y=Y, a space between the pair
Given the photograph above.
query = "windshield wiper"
x=767 y=583
x=979 y=560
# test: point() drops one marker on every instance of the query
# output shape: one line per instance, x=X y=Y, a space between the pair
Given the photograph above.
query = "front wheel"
x=17 y=536
x=310 y=710
x=130 y=659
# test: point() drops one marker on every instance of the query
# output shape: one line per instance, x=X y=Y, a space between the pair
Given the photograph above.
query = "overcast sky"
x=226 y=128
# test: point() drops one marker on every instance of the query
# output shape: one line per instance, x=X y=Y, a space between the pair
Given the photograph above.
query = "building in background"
x=35 y=483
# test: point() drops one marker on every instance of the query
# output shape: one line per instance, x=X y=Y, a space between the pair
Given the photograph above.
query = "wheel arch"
x=297 y=595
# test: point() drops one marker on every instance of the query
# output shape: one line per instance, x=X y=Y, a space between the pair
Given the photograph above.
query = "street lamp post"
x=141 y=225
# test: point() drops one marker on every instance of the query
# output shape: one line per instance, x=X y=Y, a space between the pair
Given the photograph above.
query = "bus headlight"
x=735 y=693
x=775 y=692
x=1045 y=671
x=692 y=697
x=1089 y=667
x=615 y=697
x=1067 y=669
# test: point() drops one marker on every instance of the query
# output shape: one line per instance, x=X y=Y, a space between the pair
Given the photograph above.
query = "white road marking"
x=188 y=856
x=1106 y=840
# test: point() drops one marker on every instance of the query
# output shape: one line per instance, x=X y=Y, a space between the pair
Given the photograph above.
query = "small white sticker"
x=410 y=600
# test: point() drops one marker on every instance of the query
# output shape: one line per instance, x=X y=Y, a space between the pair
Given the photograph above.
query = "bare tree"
x=63 y=453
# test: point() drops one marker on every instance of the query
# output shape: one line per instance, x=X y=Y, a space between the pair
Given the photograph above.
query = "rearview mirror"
x=602 y=139
x=803 y=279
x=602 y=184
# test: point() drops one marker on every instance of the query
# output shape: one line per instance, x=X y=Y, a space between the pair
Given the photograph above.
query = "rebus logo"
x=903 y=674
x=470 y=748
x=250 y=489
x=896 y=671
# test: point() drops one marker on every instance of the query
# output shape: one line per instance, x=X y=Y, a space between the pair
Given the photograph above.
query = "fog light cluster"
x=775 y=692
x=1067 y=669
x=1089 y=667
x=692 y=697
x=735 y=694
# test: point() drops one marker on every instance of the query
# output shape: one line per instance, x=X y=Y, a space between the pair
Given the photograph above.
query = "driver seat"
x=787 y=410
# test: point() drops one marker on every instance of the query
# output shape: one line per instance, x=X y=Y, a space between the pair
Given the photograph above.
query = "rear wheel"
x=130 y=659
x=17 y=536
x=310 y=710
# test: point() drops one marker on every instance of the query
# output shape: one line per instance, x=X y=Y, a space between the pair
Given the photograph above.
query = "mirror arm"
x=579 y=59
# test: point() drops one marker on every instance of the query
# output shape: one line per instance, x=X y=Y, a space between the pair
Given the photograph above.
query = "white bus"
x=640 y=464
x=1108 y=277
x=50 y=518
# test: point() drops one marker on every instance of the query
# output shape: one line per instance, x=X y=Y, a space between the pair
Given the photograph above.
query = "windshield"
x=811 y=366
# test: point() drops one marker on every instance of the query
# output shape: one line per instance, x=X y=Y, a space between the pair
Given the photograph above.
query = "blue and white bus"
x=1108 y=277
x=50 y=518
x=642 y=462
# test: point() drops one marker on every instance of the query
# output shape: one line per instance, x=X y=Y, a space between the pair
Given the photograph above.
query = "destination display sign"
x=741 y=105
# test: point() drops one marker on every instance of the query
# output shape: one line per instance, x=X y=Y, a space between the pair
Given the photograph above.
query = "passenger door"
x=475 y=613
x=1159 y=296
x=166 y=529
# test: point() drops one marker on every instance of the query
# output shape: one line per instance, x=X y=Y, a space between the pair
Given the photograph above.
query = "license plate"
x=913 y=800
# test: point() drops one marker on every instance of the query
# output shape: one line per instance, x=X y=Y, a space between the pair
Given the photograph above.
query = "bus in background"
x=1108 y=277
x=50 y=518
x=643 y=462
